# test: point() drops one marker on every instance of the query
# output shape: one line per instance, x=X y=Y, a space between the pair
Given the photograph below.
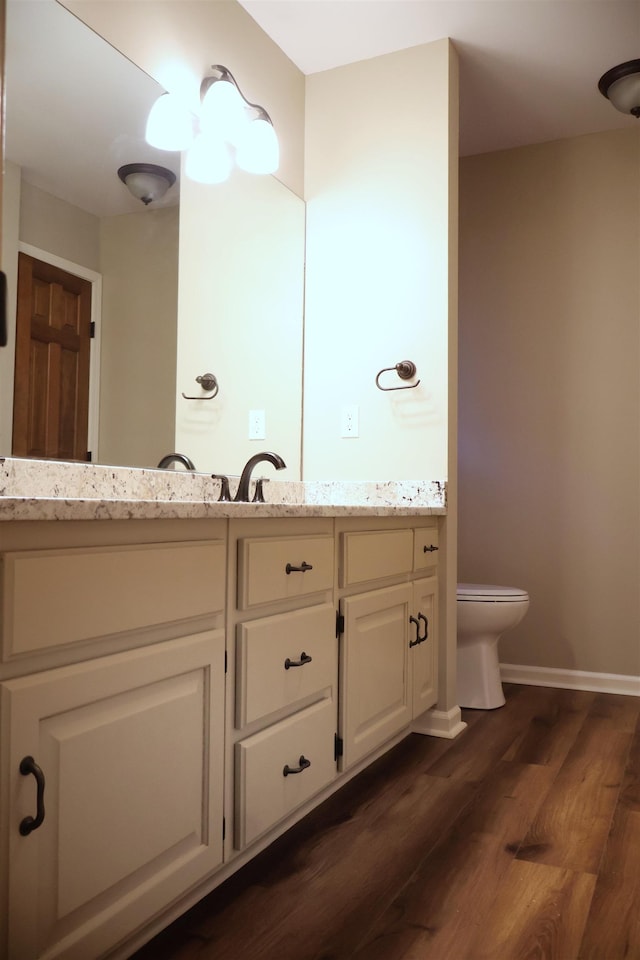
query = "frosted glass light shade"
x=625 y=93
x=223 y=111
x=147 y=181
x=621 y=85
x=170 y=126
x=258 y=150
x=208 y=160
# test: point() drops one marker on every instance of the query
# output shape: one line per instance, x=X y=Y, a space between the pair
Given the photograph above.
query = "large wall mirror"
x=208 y=279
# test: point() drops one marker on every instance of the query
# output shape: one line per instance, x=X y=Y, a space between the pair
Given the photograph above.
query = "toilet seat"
x=489 y=593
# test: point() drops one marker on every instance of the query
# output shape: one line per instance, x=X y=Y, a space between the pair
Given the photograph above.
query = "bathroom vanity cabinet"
x=188 y=690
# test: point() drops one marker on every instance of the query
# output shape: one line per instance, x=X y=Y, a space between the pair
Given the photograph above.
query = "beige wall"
x=550 y=394
x=240 y=315
x=377 y=181
x=59 y=227
x=176 y=42
x=139 y=260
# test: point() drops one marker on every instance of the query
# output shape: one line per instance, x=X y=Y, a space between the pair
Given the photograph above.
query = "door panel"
x=51 y=389
x=424 y=655
x=375 y=699
x=131 y=749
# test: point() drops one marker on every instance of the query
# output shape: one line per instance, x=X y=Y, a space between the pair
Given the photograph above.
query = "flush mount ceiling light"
x=146 y=181
x=621 y=85
x=227 y=127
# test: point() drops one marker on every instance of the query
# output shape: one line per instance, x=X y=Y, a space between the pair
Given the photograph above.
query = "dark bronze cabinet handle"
x=301 y=569
x=421 y=616
x=304 y=763
x=304 y=658
x=28 y=824
x=430 y=548
x=414 y=643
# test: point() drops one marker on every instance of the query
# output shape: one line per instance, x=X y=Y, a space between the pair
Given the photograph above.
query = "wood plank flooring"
x=519 y=840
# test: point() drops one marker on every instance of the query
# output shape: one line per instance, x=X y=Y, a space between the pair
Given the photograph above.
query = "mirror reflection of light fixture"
x=621 y=85
x=170 y=125
x=228 y=126
x=146 y=181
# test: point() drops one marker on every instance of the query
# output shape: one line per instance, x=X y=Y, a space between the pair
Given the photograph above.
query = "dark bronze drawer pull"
x=304 y=658
x=421 y=616
x=430 y=548
x=414 y=643
x=301 y=569
x=28 y=824
x=304 y=763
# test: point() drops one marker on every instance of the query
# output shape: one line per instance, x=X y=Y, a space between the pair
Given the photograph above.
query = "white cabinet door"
x=131 y=749
x=375 y=701
x=424 y=652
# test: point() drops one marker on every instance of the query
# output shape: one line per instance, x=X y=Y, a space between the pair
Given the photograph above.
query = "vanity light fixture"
x=146 y=181
x=621 y=85
x=246 y=126
x=227 y=129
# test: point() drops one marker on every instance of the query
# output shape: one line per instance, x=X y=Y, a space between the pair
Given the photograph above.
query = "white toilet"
x=485 y=612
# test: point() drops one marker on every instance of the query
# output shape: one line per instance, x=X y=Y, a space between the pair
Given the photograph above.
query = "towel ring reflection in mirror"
x=406 y=369
x=209 y=383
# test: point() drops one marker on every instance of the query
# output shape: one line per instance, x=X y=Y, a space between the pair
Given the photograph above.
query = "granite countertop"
x=48 y=490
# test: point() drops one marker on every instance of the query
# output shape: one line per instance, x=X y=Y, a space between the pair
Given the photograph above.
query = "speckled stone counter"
x=45 y=490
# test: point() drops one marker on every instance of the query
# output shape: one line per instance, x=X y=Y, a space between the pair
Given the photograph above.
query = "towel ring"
x=209 y=383
x=405 y=370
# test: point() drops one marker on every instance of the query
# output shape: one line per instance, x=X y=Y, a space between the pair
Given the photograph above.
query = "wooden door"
x=375 y=699
x=51 y=390
x=424 y=654
x=131 y=749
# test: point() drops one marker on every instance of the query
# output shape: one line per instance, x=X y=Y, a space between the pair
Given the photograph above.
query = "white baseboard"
x=571 y=679
x=439 y=723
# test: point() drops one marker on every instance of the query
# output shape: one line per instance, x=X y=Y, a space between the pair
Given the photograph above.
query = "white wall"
x=377 y=183
x=550 y=394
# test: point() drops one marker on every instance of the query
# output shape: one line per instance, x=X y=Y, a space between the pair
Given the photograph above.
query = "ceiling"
x=528 y=68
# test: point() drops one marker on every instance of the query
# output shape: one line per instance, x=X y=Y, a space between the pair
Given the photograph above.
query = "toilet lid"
x=490 y=592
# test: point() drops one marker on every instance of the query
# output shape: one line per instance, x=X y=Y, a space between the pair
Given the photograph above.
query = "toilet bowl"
x=485 y=612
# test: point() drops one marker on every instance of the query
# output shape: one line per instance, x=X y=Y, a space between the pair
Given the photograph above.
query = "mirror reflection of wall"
x=63 y=198
x=75 y=113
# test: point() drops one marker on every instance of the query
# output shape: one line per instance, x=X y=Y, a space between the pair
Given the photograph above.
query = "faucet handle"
x=258 y=496
x=225 y=493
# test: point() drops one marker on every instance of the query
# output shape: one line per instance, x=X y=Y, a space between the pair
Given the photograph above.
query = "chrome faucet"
x=242 y=493
x=176 y=458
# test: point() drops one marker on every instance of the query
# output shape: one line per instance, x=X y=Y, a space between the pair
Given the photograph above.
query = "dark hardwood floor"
x=519 y=840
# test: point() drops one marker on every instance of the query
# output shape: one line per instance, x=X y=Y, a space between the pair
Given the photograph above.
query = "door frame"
x=95 y=279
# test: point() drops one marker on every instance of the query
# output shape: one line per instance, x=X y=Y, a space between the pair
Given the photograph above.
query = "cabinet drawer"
x=64 y=596
x=264 y=795
x=425 y=547
x=375 y=555
x=266 y=568
x=265 y=649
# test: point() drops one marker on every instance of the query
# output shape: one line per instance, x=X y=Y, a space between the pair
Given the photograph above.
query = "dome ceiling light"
x=621 y=85
x=146 y=181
